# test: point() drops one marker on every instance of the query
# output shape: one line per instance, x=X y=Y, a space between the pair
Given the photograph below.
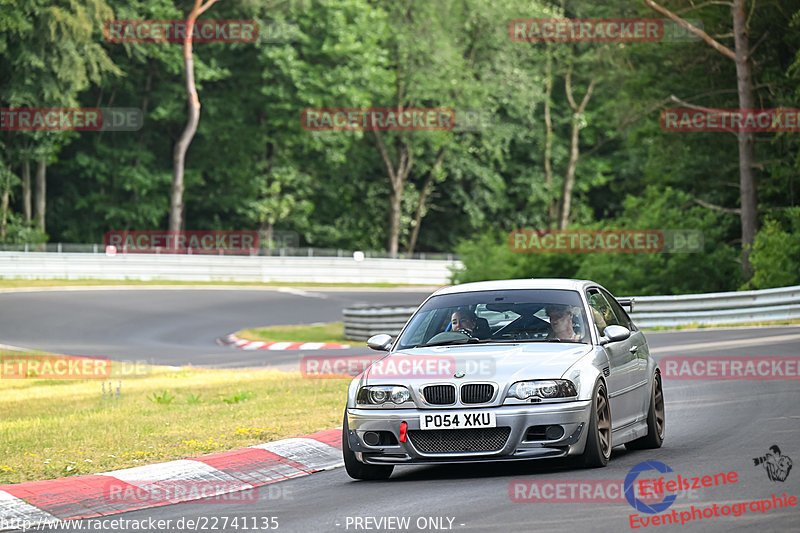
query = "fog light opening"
x=371 y=438
x=554 y=432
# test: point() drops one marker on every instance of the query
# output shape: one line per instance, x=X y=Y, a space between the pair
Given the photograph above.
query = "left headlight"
x=383 y=394
x=544 y=389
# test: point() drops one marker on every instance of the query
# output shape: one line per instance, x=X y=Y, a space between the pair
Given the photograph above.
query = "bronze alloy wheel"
x=597 y=451
x=658 y=405
x=655 y=420
x=603 y=423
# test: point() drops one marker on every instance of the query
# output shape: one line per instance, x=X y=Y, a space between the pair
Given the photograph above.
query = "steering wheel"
x=466 y=332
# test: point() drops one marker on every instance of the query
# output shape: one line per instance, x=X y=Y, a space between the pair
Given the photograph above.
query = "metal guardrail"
x=276 y=251
x=742 y=307
x=361 y=323
x=200 y=267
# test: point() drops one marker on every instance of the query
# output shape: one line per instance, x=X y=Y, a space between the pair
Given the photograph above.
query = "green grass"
x=328 y=332
x=58 y=427
x=695 y=325
x=24 y=283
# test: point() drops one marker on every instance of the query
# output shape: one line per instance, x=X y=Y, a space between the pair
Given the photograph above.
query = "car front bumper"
x=573 y=417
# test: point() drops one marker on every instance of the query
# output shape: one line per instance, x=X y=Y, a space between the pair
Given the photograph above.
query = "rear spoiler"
x=626 y=302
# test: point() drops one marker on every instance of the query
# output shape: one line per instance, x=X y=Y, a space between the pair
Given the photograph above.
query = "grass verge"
x=695 y=325
x=327 y=332
x=62 y=427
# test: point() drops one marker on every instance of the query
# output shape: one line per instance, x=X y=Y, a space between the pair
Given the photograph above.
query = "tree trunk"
x=427 y=187
x=747 y=188
x=548 y=136
x=395 y=206
x=569 y=177
x=26 y=189
x=179 y=152
x=3 y=214
x=397 y=179
x=41 y=193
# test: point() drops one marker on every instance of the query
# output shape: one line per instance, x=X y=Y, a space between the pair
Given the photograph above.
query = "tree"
x=179 y=153
x=50 y=56
x=7 y=182
x=741 y=55
x=577 y=122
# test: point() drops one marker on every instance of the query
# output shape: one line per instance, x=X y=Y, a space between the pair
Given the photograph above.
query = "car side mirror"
x=615 y=334
x=381 y=342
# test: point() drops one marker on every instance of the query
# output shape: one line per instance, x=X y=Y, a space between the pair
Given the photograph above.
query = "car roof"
x=506 y=284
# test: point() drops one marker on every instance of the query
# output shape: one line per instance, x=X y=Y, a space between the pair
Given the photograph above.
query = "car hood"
x=502 y=363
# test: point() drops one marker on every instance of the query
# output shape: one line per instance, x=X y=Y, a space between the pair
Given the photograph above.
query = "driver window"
x=618 y=311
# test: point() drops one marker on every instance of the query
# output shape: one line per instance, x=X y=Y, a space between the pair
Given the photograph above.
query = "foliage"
x=238 y=397
x=776 y=253
x=165 y=398
x=712 y=269
x=251 y=166
x=194 y=399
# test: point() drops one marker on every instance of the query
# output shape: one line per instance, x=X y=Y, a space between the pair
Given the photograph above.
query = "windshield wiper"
x=556 y=339
x=473 y=340
x=467 y=340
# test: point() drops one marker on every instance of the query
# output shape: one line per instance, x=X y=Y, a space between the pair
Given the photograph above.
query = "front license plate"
x=458 y=420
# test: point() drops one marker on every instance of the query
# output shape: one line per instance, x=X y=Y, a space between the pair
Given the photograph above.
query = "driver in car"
x=561 y=323
x=464 y=319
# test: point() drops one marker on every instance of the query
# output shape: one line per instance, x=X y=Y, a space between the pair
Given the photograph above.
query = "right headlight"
x=545 y=389
x=383 y=394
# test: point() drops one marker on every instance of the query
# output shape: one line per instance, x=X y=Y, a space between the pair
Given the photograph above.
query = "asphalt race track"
x=713 y=426
x=173 y=327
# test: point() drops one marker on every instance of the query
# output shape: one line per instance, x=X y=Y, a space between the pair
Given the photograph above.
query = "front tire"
x=355 y=468
x=598 y=440
x=655 y=420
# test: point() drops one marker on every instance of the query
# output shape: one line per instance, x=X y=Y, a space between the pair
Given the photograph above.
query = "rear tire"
x=598 y=438
x=355 y=468
x=655 y=420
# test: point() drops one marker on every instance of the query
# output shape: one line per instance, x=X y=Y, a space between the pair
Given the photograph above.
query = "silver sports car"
x=505 y=370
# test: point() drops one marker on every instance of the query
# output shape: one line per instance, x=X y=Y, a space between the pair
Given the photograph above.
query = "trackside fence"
x=743 y=307
x=255 y=268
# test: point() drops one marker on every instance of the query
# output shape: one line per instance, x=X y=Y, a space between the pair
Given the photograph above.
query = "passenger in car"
x=599 y=321
x=561 y=323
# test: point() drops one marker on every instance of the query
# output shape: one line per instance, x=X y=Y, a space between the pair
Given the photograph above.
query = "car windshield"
x=521 y=315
